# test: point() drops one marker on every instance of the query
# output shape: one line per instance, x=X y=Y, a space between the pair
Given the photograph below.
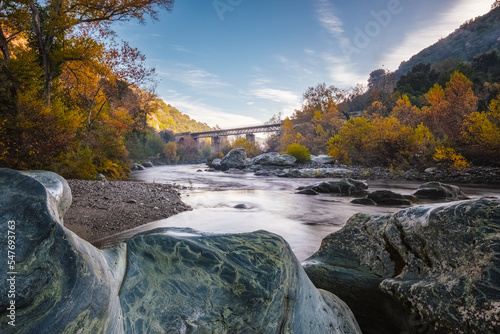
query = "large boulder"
x=439 y=191
x=162 y=281
x=425 y=269
x=236 y=158
x=343 y=187
x=274 y=159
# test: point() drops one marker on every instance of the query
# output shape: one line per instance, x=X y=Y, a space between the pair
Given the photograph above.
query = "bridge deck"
x=234 y=131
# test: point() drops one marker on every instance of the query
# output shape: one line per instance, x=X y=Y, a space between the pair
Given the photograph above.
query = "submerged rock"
x=423 y=269
x=439 y=191
x=166 y=280
x=388 y=198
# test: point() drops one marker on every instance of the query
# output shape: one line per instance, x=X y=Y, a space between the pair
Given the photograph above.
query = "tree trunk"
x=4 y=46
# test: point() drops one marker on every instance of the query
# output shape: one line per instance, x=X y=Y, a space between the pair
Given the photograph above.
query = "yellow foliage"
x=251 y=149
x=451 y=158
x=407 y=113
x=300 y=152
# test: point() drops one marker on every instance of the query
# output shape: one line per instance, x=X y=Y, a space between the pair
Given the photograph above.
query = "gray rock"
x=137 y=166
x=236 y=158
x=432 y=266
x=388 y=198
x=163 y=281
x=240 y=206
x=431 y=170
x=343 y=187
x=439 y=191
x=216 y=163
x=274 y=159
x=148 y=164
x=322 y=159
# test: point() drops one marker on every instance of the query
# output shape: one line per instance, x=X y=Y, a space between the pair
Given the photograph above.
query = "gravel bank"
x=103 y=208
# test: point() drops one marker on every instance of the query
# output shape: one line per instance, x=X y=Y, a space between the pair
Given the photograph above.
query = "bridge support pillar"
x=250 y=137
x=216 y=144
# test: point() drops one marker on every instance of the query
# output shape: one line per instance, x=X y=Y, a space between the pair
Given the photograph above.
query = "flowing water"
x=270 y=204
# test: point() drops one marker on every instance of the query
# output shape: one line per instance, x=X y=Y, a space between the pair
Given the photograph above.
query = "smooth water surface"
x=271 y=205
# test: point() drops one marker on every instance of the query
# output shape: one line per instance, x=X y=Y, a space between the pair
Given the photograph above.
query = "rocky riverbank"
x=274 y=164
x=103 y=208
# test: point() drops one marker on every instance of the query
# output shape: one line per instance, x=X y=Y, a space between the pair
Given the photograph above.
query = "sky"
x=235 y=63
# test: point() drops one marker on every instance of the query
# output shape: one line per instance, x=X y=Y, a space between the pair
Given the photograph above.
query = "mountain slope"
x=471 y=39
x=167 y=117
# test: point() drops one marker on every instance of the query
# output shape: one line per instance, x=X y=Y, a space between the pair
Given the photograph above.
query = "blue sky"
x=239 y=62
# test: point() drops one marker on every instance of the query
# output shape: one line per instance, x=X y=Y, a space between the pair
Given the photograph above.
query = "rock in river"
x=439 y=191
x=274 y=159
x=388 y=198
x=162 y=281
x=425 y=269
x=343 y=187
x=236 y=158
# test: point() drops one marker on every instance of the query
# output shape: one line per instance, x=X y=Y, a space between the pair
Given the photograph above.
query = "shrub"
x=451 y=158
x=300 y=152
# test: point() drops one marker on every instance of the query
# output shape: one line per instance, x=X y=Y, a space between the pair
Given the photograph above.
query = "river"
x=271 y=204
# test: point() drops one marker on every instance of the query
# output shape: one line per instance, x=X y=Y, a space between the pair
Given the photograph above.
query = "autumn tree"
x=251 y=148
x=449 y=107
x=406 y=112
x=54 y=27
x=481 y=130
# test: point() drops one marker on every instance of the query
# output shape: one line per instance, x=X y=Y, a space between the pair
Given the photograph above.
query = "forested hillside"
x=167 y=117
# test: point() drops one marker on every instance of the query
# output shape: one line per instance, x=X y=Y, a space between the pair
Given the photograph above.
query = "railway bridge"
x=216 y=135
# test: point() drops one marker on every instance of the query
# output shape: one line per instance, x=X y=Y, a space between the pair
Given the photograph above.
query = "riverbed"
x=237 y=203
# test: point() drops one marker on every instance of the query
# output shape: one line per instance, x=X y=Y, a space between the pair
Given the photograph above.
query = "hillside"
x=473 y=38
x=167 y=117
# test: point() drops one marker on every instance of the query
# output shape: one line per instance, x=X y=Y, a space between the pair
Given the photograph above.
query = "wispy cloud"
x=192 y=76
x=180 y=48
x=288 y=100
x=327 y=16
x=422 y=36
x=276 y=95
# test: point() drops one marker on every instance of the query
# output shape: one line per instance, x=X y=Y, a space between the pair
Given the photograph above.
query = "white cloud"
x=429 y=32
x=288 y=100
x=276 y=95
x=205 y=113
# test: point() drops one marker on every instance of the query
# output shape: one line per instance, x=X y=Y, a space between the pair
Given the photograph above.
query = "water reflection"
x=271 y=205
